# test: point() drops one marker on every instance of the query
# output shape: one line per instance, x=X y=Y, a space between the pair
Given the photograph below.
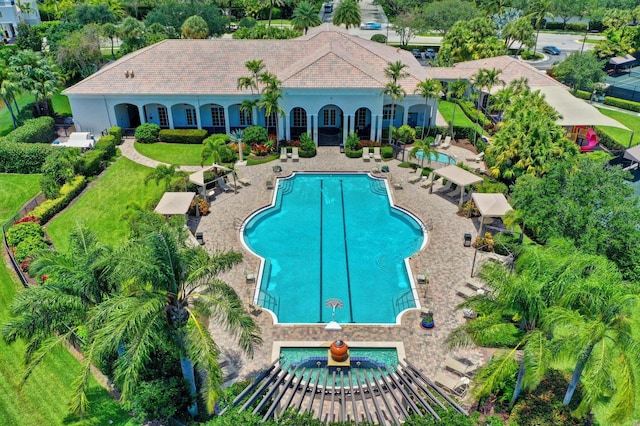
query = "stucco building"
x=332 y=85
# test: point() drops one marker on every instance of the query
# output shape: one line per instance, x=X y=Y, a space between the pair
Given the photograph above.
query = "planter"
x=427 y=322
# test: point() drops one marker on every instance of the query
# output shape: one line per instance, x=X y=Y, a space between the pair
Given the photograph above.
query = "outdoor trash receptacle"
x=467 y=240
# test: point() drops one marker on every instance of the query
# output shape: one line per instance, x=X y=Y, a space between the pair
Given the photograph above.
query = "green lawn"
x=43 y=399
x=61 y=105
x=631 y=121
x=15 y=190
x=172 y=153
x=6 y=124
x=446 y=110
x=102 y=206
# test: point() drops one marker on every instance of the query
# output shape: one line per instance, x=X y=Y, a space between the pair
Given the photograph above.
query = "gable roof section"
x=512 y=69
x=327 y=57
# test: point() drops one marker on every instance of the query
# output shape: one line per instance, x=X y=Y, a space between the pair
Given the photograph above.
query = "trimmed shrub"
x=247 y=22
x=583 y=94
x=92 y=162
x=45 y=211
x=470 y=111
x=622 y=103
x=28 y=247
x=33 y=131
x=21 y=231
x=386 y=152
x=554 y=25
x=116 y=132
x=147 y=133
x=255 y=135
x=307 y=153
x=187 y=136
x=379 y=38
x=16 y=157
x=108 y=145
x=607 y=140
x=353 y=153
x=576 y=26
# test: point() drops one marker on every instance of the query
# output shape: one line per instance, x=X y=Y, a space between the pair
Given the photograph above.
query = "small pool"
x=314 y=361
x=438 y=157
x=334 y=236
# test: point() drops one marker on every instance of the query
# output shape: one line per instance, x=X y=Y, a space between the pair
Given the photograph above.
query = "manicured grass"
x=102 y=206
x=172 y=153
x=446 y=109
x=6 y=124
x=61 y=105
x=44 y=398
x=15 y=190
x=631 y=121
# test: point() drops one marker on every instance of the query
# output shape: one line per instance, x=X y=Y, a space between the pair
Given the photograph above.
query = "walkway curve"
x=128 y=150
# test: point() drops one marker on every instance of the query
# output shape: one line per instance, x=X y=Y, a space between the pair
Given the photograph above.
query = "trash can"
x=467 y=240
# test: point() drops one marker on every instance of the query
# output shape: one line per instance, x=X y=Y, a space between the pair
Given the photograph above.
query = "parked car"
x=417 y=53
x=328 y=7
x=551 y=50
x=371 y=26
x=430 y=53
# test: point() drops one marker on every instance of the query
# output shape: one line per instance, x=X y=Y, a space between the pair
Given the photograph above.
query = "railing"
x=269 y=301
x=404 y=301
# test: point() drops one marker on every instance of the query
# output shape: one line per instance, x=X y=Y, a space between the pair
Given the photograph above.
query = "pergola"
x=198 y=177
x=491 y=205
x=173 y=203
x=456 y=175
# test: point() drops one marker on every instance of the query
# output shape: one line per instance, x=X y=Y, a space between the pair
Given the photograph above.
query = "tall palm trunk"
x=424 y=121
x=7 y=102
x=453 y=116
x=575 y=377
x=393 y=117
x=518 y=388
x=189 y=375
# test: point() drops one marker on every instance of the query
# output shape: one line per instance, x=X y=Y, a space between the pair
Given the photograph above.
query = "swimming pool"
x=334 y=236
x=436 y=156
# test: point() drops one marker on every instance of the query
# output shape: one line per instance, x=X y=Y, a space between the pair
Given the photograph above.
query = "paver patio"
x=448 y=261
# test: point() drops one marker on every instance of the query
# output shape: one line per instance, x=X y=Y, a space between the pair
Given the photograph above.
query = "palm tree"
x=394 y=72
x=167 y=291
x=44 y=316
x=166 y=173
x=270 y=102
x=540 y=9
x=484 y=78
x=110 y=31
x=596 y=331
x=255 y=67
x=425 y=147
x=39 y=74
x=347 y=13
x=455 y=90
x=272 y=4
x=428 y=89
x=305 y=16
x=211 y=148
x=9 y=88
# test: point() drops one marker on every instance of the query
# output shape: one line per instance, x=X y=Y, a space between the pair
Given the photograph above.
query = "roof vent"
x=128 y=74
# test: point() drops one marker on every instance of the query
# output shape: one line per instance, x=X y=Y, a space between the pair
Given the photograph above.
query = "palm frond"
x=501 y=368
x=79 y=403
x=44 y=348
x=204 y=352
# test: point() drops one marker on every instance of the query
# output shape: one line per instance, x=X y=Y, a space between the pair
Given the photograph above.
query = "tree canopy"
x=469 y=40
x=580 y=71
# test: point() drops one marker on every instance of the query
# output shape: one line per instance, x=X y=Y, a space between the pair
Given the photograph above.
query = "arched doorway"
x=127 y=116
x=362 y=123
x=298 y=122
x=418 y=117
x=239 y=118
x=392 y=115
x=184 y=116
x=158 y=114
x=213 y=120
x=330 y=119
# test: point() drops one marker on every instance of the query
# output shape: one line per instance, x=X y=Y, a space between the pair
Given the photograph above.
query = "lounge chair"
x=459 y=367
x=249 y=277
x=447 y=143
x=436 y=141
x=422 y=278
x=244 y=181
x=477 y=158
x=200 y=238
x=269 y=183
x=283 y=154
x=415 y=179
x=457 y=386
x=446 y=188
x=456 y=192
x=223 y=185
x=427 y=182
x=294 y=154
x=466 y=292
x=376 y=154
x=365 y=154
x=395 y=183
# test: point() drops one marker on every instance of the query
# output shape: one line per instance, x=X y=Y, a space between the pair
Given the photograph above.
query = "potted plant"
x=427 y=320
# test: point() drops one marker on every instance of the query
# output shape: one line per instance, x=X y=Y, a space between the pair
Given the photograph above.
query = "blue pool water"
x=360 y=358
x=334 y=236
x=436 y=156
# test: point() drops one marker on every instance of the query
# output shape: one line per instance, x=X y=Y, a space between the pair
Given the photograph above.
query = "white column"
x=309 y=125
x=373 y=127
x=379 y=129
x=281 y=129
x=198 y=120
x=345 y=127
x=254 y=116
x=352 y=124
x=287 y=128
x=314 y=118
x=405 y=116
x=227 y=126
x=170 y=116
x=143 y=118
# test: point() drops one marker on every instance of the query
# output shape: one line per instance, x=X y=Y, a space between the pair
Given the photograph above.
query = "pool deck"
x=449 y=263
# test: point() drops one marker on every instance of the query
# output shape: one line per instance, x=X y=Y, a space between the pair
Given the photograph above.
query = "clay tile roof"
x=512 y=69
x=326 y=57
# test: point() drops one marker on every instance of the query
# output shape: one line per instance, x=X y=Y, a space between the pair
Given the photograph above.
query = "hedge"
x=92 y=162
x=35 y=130
x=386 y=152
x=307 y=153
x=353 y=154
x=583 y=94
x=45 y=211
x=17 y=157
x=108 y=145
x=622 y=103
x=28 y=247
x=189 y=136
x=471 y=112
x=116 y=132
x=21 y=231
x=608 y=141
